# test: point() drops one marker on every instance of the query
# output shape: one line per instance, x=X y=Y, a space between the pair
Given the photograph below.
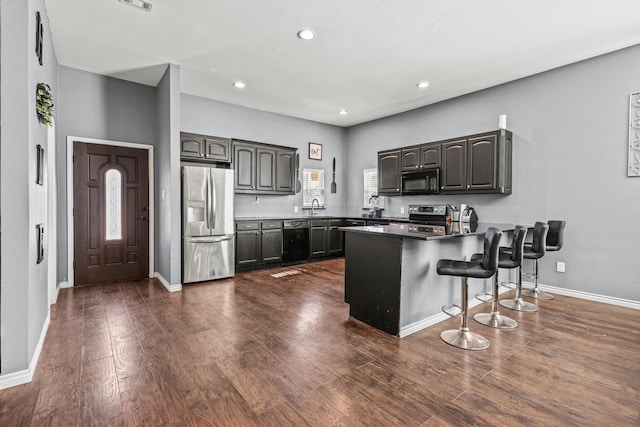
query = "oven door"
x=422 y=182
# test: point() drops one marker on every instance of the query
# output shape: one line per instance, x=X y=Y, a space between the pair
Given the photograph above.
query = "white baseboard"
x=586 y=295
x=25 y=376
x=437 y=318
x=166 y=284
x=63 y=285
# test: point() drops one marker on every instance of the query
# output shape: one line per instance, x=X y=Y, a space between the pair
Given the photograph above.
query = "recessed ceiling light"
x=306 y=34
x=141 y=4
x=342 y=112
x=239 y=85
x=423 y=85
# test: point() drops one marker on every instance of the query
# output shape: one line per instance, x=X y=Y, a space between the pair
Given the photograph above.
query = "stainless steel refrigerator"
x=207 y=224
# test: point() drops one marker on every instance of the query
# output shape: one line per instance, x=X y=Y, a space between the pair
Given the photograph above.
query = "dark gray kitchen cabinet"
x=204 y=148
x=266 y=169
x=286 y=170
x=454 y=166
x=318 y=238
x=479 y=164
x=411 y=159
x=244 y=163
x=430 y=155
x=263 y=169
x=258 y=242
x=247 y=243
x=336 y=237
x=271 y=241
x=389 y=173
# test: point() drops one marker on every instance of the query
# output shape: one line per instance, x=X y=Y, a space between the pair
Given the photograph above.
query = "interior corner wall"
x=95 y=106
x=168 y=259
x=209 y=117
x=23 y=203
x=570 y=148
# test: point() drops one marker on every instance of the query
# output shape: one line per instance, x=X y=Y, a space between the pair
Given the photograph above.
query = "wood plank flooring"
x=258 y=350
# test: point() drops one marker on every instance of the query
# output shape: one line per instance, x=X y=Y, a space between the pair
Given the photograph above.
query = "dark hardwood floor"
x=259 y=350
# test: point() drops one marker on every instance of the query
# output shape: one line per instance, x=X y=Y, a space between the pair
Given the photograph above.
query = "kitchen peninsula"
x=390 y=272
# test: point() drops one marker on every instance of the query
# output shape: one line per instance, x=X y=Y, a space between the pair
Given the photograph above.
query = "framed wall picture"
x=39 y=165
x=315 y=151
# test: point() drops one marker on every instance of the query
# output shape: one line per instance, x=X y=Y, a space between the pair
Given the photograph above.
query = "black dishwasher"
x=295 y=241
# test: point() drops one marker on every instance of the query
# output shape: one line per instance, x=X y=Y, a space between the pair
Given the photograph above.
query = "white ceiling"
x=367 y=57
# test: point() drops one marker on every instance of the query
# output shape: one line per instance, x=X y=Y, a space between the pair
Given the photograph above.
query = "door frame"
x=70 y=224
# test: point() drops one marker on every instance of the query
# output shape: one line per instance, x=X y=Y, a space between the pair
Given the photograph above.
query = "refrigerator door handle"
x=209 y=239
x=212 y=221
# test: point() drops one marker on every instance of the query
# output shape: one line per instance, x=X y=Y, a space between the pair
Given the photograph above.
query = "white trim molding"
x=26 y=375
x=166 y=284
x=587 y=295
x=149 y=148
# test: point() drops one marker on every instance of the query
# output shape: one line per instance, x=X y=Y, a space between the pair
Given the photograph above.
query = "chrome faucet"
x=313 y=212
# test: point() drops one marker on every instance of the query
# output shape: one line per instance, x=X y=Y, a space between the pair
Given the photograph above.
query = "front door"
x=110 y=213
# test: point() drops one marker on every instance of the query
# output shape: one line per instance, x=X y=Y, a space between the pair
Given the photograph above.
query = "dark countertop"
x=452 y=230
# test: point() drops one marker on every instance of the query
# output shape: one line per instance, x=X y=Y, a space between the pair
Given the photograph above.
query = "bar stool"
x=554 y=243
x=537 y=248
x=507 y=258
x=481 y=269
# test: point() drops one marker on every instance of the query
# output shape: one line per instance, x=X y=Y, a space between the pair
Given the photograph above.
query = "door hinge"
x=73 y=158
x=74 y=263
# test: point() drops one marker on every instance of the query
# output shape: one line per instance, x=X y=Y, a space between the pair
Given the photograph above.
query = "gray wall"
x=167 y=177
x=23 y=204
x=94 y=106
x=201 y=115
x=570 y=129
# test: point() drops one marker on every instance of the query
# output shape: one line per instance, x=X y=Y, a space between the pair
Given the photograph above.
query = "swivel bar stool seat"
x=481 y=269
x=507 y=258
x=537 y=248
x=554 y=242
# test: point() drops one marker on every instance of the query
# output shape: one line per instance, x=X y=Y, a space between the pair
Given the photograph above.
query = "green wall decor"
x=44 y=104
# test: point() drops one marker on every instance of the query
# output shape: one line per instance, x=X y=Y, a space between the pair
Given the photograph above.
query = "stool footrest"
x=453 y=310
x=484 y=297
x=510 y=285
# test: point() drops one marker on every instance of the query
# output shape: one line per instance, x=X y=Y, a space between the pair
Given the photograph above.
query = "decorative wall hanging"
x=315 y=151
x=39 y=37
x=39 y=165
x=44 y=104
x=634 y=134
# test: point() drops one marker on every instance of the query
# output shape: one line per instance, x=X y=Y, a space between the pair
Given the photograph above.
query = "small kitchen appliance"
x=468 y=214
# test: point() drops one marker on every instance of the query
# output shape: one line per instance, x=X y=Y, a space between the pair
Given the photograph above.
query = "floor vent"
x=286 y=273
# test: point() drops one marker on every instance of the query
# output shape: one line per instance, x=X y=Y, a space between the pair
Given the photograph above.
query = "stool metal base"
x=518 y=304
x=495 y=320
x=464 y=339
x=536 y=293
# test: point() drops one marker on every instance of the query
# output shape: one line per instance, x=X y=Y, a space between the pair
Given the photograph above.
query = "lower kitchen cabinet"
x=326 y=238
x=336 y=237
x=247 y=247
x=258 y=242
x=271 y=245
x=319 y=229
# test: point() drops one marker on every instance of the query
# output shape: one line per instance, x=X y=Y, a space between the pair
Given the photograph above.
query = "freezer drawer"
x=207 y=258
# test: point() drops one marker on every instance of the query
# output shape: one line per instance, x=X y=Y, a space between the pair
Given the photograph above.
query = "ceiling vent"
x=141 y=4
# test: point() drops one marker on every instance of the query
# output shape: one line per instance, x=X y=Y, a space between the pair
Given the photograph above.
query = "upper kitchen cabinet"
x=263 y=169
x=204 y=148
x=478 y=164
x=411 y=159
x=286 y=171
x=389 y=172
x=430 y=155
x=423 y=157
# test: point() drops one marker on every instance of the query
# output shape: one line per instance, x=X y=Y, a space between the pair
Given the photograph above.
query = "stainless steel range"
x=431 y=214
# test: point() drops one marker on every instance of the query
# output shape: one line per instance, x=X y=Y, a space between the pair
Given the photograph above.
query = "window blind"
x=312 y=187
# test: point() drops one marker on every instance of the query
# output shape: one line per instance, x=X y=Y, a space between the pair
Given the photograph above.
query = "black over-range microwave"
x=426 y=181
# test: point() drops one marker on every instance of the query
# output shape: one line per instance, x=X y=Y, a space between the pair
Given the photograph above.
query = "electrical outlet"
x=295 y=209
x=401 y=209
x=560 y=267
